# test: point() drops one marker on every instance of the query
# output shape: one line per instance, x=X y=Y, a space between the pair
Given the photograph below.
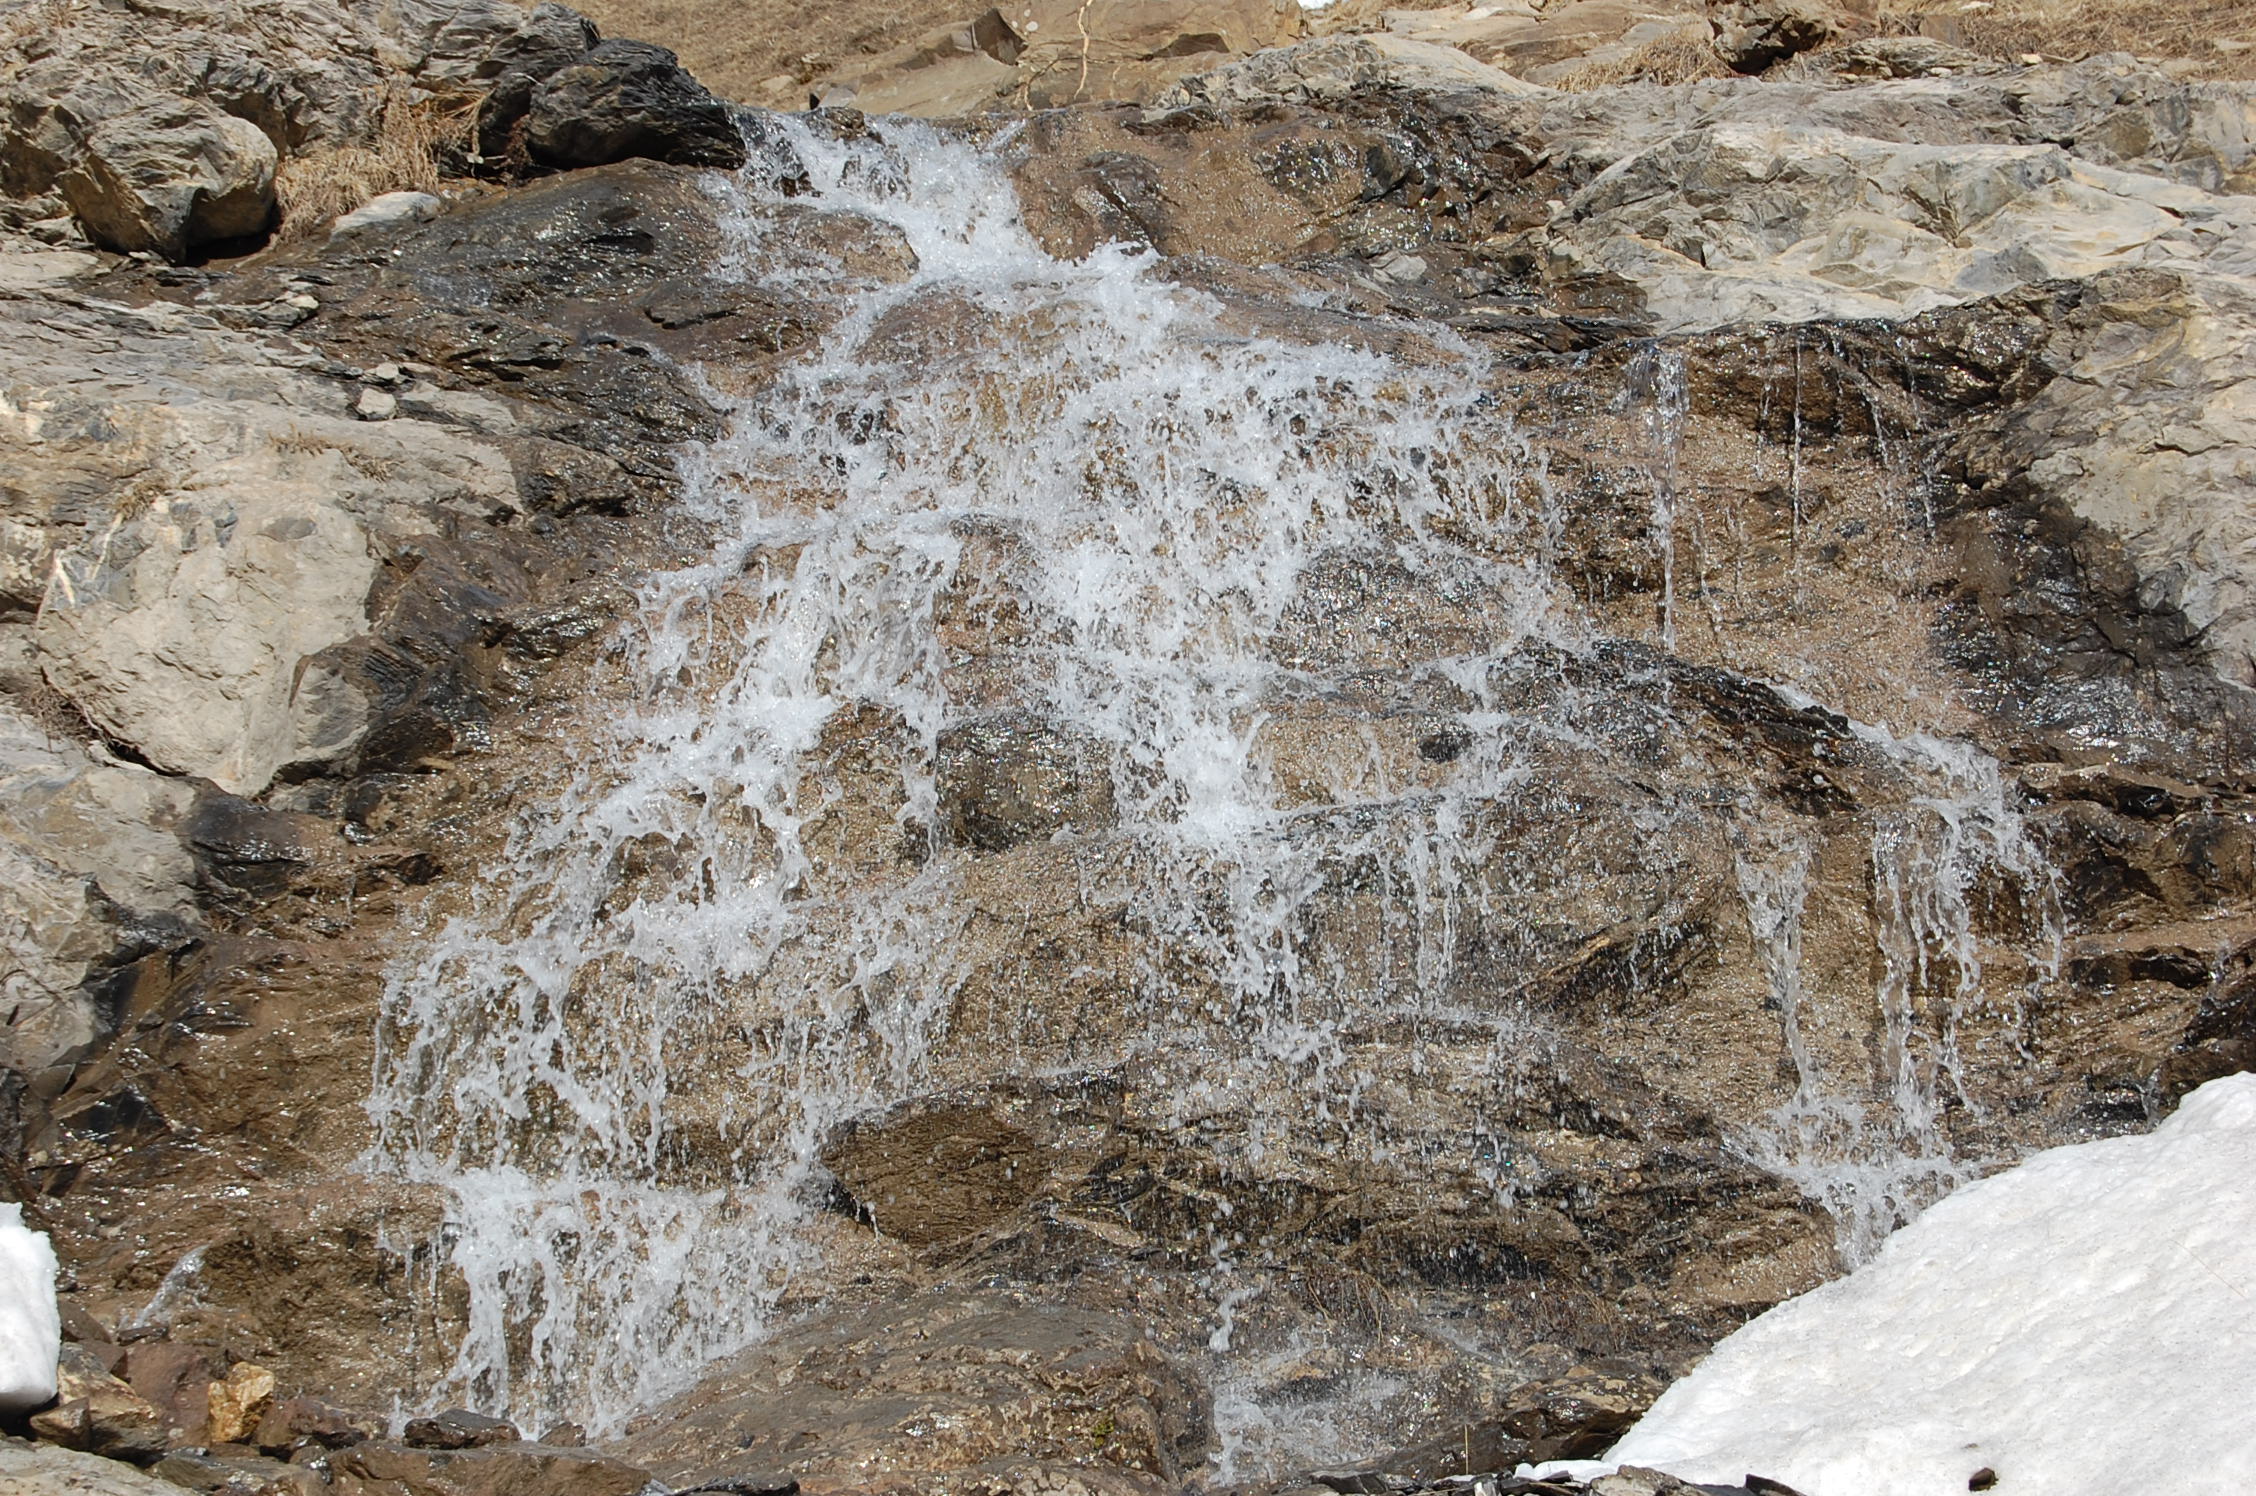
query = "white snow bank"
x=31 y=1331
x=2079 y=1324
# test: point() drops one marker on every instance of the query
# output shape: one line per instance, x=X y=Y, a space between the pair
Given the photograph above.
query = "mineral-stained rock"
x=238 y=1402
x=628 y=99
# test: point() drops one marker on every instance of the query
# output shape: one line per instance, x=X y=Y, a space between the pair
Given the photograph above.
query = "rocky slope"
x=598 y=762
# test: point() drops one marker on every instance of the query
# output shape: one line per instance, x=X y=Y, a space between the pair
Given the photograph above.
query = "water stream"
x=620 y=1064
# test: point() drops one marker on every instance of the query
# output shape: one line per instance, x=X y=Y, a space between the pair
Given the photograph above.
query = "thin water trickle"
x=1872 y=1166
x=1658 y=382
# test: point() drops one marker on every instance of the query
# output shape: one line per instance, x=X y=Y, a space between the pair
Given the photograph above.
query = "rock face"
x=1319 y=769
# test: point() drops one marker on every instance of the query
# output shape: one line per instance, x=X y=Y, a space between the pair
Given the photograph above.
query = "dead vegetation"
x=1679 y=57
x=2216 y=37
x=765 y=51
x=413 y=143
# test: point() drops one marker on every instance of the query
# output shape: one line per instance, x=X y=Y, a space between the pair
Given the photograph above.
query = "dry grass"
x=766 y=51
x=1679 y=57
x=2073 y=29
x=414 y=137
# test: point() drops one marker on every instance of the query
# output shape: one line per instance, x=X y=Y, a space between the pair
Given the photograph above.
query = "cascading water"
x=1169 y=483
x=620 y=1066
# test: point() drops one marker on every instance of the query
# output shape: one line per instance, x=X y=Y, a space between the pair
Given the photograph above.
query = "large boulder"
x=92 y=871
x=196 y=528
x=629 y=99
x=170 y=176
x=1752 y=35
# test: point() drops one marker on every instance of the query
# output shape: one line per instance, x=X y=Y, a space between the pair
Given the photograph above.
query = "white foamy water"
x=1168 y=482
x=619 y=1065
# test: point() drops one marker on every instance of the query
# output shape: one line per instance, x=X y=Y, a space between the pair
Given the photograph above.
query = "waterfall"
x=1165 y=483
x=1073 y=512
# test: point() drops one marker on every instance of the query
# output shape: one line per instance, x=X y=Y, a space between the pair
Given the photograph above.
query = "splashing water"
x=622 y=1205
x=620 y=1065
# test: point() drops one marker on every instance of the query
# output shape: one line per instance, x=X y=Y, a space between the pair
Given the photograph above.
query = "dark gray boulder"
x=628 y=99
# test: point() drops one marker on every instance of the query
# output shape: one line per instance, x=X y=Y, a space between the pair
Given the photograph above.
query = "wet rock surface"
x=1883 y=432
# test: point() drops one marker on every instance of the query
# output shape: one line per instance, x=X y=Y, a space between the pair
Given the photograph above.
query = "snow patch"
x=2075 y=1325
x=31 y=1329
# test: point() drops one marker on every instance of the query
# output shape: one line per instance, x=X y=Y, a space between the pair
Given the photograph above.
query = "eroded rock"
x=956 y=1385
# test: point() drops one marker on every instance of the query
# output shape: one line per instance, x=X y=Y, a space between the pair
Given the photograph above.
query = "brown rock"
x=387 y=1469
x=1577 y=1416
x=459 y=1428
x=239 y=1402
x=942 y=1385
x=297 y=1422
x=96 y=1412
x=936 y=1172
x=175 y=1377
